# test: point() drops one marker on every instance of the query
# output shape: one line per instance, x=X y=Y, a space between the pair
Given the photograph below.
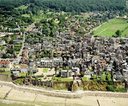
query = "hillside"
x=66 y=5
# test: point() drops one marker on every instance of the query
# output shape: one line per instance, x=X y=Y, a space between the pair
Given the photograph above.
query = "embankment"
x=64 y=94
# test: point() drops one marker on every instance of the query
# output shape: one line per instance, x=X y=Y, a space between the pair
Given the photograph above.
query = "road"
x=19 y=55
x=28 y=29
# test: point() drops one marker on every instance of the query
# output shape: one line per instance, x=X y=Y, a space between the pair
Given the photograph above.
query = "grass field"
x=111 y=27
x=45 y=70
x=22 y=74
x=7 y=73
x=36 y=17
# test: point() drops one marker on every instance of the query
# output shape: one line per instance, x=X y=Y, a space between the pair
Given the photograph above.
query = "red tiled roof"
x=23 y=66
x=4 y=62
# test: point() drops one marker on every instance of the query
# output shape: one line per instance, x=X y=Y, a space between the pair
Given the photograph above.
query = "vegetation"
x=113 y=88
x=62 y=79
x=23 y=74
x=75 y=87
x=64 y=5
x=84 y=78
x=116 y=27
x=7 y=73
x=103 y=86
x=45 y=70
x=19 y=81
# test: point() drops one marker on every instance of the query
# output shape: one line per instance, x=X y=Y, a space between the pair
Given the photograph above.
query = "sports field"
x=112 y=26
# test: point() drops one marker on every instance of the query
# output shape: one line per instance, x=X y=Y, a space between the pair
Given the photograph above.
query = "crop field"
x=111 y=27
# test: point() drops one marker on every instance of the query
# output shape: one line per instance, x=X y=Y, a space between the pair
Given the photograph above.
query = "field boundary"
x=64 y=94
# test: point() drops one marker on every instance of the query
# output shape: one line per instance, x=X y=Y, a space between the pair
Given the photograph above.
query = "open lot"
x=111 y=27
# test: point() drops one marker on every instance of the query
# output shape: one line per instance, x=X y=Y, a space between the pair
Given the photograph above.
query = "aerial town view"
x=63 y=52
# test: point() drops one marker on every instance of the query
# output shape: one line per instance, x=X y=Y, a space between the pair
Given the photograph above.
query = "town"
x=58 y=54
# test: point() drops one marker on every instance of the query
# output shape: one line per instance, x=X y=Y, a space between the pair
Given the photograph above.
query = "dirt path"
x=96 y=28
x=103 y=30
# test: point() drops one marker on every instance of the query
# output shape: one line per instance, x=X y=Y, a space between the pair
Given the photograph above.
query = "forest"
x=64 y=5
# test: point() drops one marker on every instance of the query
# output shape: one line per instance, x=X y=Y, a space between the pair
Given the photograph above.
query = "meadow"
x=112 y=26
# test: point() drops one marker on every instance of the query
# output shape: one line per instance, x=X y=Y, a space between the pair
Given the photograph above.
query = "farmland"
x=112 y=26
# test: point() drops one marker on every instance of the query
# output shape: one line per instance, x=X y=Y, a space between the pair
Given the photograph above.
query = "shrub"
x=121 y=90
x=111 y=88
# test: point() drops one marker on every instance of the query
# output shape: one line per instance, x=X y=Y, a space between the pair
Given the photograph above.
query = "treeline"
x=66 y=5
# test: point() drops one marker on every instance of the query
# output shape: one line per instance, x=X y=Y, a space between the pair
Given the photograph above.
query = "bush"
x=103 y=77
x=121 y=90
x=111 y=88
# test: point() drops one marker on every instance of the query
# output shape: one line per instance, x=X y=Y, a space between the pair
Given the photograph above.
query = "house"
x=76 y=71
x=17 y=41
x=118 y=76
x=1 y=27
x=24 y=68
x=5 y=64
x=11 y=46
x=14 y=29
x=89 y=37
x=15 y=73
x=2 y=42
x=66 y=73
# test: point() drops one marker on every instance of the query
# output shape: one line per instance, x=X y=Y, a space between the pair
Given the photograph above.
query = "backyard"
x=111 y=27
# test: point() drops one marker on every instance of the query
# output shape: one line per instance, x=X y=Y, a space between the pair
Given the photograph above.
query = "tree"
x=2 y=47
x=37 y=24
x=82 y=73
x=118 y=33
x=22 y=30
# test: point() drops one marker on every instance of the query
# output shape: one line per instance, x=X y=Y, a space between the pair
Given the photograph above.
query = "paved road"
x=28 y=29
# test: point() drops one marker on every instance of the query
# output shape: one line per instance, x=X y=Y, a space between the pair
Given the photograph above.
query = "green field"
x=111 y=27
x=7 y=73
x=45 y=70
x=36 y=17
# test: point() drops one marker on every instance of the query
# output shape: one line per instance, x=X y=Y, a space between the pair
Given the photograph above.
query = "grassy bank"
x=111 y=27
